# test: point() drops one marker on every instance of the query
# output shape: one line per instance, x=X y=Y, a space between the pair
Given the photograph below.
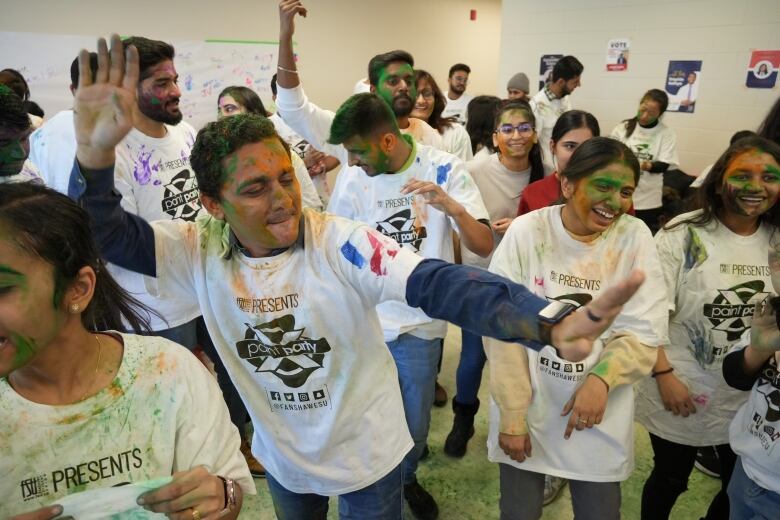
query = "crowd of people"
x=161 y=287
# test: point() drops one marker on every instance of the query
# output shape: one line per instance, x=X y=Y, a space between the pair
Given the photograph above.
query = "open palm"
x=103 y=107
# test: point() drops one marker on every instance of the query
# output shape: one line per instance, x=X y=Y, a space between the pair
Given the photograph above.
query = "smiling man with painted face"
x=15 y=130
x=288 y=296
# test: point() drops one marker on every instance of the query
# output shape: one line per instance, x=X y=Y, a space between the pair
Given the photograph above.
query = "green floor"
x=468 y=488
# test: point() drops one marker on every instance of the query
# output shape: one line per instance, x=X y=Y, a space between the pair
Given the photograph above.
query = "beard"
x=457 y=89
x=402 y=105
x=155 y=109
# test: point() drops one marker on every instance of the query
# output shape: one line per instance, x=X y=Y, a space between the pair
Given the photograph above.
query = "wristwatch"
x=550 y=316
x=230 y=496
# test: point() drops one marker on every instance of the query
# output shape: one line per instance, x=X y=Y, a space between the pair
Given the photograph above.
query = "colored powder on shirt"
x=352 y=255
x=695 y=252
x=142 y=171
x=381 y=251
x=700 y=343
x=442 y=172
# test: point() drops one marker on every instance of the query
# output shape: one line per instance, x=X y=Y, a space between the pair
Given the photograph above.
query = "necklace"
x=97 y=368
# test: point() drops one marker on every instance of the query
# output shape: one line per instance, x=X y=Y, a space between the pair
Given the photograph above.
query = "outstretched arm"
x=102 y=116
x=490 y=305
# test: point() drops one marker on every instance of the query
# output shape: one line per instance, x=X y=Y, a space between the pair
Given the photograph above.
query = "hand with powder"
x=587 y=405
x=501 y=225
x=575 y=334
x=103 y=108
x=434 y=196
x=517 y=447
x=765 y=330
x=196 y=489
x=44 y=513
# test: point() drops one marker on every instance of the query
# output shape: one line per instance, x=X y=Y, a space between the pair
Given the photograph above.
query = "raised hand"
x=574 y=336
x=103 y=107
x=287 y=11
x=765 y=330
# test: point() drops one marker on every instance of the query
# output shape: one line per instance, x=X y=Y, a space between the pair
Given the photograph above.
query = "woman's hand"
x=674 y=394
x=191 y=491
x=587 y=405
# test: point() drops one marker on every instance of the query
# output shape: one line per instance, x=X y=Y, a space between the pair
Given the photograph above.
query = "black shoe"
x=425 y=453
x=439 y=396
x=462 y=428
x=420 y=502
x=708 y=461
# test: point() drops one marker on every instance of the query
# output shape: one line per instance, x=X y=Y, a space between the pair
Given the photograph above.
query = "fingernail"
x=57 y=510
x=141 y=500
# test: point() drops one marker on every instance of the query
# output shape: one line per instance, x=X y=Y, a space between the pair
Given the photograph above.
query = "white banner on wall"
x=204 y=68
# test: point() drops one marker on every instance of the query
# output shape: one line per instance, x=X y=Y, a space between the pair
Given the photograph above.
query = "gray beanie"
x=519 y=82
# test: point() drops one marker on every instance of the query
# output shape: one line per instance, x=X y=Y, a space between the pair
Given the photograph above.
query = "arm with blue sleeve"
x=124 y=239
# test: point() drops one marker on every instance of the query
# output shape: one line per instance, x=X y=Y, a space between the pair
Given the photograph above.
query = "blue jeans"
x=469 y=374
x=417 y=362
x=748 y=500
x=382 y=500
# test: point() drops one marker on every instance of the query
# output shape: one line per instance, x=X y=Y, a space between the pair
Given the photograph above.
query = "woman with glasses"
x=429 y=106
x=501 y=178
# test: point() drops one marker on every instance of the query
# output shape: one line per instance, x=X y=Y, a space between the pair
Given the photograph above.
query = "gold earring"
x=74 y=308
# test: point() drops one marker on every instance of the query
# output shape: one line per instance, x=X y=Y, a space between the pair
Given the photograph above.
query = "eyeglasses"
x=522 y=128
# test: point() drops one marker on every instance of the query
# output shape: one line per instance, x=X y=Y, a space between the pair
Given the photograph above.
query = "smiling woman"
x=71 y=383
x=716 y=266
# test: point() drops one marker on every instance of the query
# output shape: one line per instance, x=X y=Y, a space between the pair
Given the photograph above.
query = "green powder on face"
x=25 y=349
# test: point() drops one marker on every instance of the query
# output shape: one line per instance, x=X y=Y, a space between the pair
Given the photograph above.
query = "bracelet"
x=662 y=372
x=230 y=496
x=287 y=70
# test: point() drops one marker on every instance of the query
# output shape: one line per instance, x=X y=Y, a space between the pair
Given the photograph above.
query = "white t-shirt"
x=28 y=173
x=500 y=188
x=313 y=123
x=650 y=144
x=154 y=178
x=715 y=278
x=754 y=433
x=457 y=142
x=311 y=189
x=698 y=181
x=301 y=342
x=457 y=108
x=539 y=253
x=53 y=148
x=163 y=413
x=546 y=112
x=408 y=220
x=361 y=86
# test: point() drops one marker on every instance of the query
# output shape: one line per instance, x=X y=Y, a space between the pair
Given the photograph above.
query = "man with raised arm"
x=288 y=296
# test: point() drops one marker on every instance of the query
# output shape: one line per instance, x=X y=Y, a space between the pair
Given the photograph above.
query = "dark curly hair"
x=150 y=52
x=219 y=139
x=12 y=112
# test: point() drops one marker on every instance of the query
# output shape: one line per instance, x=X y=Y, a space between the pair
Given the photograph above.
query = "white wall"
x=721 y=33
x=335 y=42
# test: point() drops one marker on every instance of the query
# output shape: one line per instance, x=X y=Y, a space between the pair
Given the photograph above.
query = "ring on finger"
x=195 y=514
x=582 y=421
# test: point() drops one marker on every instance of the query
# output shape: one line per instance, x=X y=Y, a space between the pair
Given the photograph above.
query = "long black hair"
x=49 y=225
x=654 y=94
x=481 y=121
x=770 y=126
x=596 y=154
x=573 y=120
x=535 y=155
x=439 y=102
x=247 y=98
x=711 y=202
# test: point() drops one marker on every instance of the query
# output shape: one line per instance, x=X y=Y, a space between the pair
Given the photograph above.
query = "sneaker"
x=439 y=396
x=708 y=461
x=255 y=468
x=420 y=502
x=552 y=488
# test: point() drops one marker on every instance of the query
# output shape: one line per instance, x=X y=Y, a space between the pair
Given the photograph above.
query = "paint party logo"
x=642 y=152
x=400 y=227
x=180 y=198
x=281 y=349
x=731 y=311
x=764 y=425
